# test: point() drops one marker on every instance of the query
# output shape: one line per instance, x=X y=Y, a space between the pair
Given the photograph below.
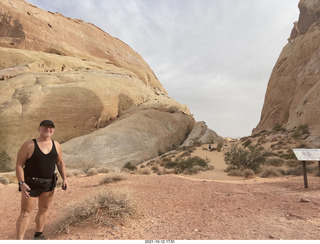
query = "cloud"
x=216 y=56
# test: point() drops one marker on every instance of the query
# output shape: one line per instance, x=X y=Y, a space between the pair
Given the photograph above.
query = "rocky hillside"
x=292 y=96
x=99 y=92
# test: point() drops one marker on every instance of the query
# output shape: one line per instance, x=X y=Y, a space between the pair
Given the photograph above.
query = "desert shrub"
x=183 y=164
x=246 y=143
x=271 y=172
x=278 y=127
x=129 y=166
x=302 y=129
x=270 y=154
x=91 y=172
x=185 y=154
x=240 y=158
x=179 y=165
x=294 y=171
x=235 y=172
x=275 y=161
x=112 y=178
x=193 y=170
x=144 y=171
x=196 y=143
x=4 y=180
x=169 y=163
x=105 y=208
x=248 y=173
x=293 y=163
x=103 y=170
x=289 y=155
x=219 y=146
x=155 y=168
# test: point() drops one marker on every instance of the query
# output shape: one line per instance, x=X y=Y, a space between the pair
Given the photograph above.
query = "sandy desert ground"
x=206 y=206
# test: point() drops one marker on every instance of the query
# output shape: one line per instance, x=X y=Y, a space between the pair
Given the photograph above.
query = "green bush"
x=275 y=161
x=129 y=166
x=240 y=158
x=181 y=164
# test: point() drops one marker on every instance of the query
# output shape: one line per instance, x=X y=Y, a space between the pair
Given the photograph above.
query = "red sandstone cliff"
x=293 y=93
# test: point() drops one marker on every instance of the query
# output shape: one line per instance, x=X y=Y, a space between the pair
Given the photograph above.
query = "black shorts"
x=39 y=185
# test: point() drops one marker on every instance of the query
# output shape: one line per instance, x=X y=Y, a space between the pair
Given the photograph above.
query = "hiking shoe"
x=40 y=237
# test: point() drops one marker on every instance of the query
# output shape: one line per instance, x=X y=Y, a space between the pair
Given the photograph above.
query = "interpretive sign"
x=307 y=154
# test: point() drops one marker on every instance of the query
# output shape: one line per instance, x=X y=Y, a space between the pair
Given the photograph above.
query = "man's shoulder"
x=28 y=143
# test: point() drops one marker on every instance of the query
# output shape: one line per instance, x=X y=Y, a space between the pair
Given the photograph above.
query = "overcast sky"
x=216 y=56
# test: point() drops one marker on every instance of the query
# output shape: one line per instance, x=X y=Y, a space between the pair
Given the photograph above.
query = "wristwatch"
x=21 y=182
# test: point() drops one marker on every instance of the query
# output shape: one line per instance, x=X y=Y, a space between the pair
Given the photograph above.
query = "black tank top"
x=41 y=165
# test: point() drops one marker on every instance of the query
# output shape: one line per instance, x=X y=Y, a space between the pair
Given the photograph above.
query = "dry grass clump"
x=144 y=171
x=108 y=207
x=235 y=172
x=91 y=172
x=112 y=178
x=103 y=170
x=248 y=173
x=271 y=172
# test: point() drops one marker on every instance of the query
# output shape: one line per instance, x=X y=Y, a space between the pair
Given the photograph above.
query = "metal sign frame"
x=304 y=155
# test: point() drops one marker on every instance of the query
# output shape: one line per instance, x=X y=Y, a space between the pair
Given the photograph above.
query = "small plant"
x=103 y=170
x=248 y=173
x=91 y=172
x=219 y=146
x=271 y=172
x=196 y=143
x=129 y=166
x=144 y=171
x=246 y=143
x=302 y=129
x=278 y=127
x=275 y=161
x=105 y=208
x=235 y=172
x=112 y=178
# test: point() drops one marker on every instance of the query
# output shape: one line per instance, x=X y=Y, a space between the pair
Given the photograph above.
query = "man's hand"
x=64 y=185
x=25 y=189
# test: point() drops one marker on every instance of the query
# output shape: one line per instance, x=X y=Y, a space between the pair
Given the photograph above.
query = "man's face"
x=46 y=130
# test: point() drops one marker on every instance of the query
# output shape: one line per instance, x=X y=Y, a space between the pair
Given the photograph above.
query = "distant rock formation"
x=108 y=106
x=292 y=96
x=201 y=133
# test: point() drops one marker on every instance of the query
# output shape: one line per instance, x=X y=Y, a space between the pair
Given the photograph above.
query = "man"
x=36 y=162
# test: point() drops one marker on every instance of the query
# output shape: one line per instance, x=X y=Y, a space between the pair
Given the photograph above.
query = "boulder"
x=104 y=99
x=133 y=138
x=201 y=133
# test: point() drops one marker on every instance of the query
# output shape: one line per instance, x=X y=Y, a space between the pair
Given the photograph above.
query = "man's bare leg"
x=27 y=205
x=44 y=201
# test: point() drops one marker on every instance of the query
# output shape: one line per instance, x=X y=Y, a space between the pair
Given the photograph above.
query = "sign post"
x=307 y=155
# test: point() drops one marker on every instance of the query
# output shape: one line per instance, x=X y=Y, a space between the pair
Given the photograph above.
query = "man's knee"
x=25 y=213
